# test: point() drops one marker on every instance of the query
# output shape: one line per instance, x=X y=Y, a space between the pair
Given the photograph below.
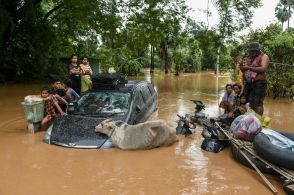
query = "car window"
x=138 y=100
x=146 y=92
x=104 y=102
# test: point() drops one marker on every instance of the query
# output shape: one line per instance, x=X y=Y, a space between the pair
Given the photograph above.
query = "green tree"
x=235 y=15
x=37 y=31
x=288 y=4
x=281 y=14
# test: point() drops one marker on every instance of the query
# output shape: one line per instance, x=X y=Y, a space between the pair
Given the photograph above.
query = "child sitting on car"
x=49 y=107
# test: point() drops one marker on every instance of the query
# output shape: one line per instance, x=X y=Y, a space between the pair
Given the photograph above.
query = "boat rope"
x=281 y=64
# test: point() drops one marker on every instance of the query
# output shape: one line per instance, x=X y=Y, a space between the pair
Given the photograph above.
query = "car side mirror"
x=138 y=109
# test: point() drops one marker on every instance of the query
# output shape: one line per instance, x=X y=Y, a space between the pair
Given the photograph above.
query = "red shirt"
x=49 y=109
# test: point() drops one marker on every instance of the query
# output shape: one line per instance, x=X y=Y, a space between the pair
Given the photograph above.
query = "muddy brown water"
x=29 y=166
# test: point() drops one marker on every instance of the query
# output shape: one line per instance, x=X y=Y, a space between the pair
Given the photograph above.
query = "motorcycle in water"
x=199 y=117
x=185 y=125
x=214 y=140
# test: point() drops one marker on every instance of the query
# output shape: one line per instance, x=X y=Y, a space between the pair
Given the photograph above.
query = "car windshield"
x=104 y=103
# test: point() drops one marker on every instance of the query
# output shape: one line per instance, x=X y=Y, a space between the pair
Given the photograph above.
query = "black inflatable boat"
x=240 y=158
x=274 y=154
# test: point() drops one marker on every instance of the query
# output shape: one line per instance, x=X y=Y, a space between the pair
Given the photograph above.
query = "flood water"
x=29 y=166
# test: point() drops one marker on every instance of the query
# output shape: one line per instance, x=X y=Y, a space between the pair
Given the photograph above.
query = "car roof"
x=128 y=87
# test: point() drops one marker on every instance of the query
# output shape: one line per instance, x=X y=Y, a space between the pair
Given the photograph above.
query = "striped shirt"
x=87 y=68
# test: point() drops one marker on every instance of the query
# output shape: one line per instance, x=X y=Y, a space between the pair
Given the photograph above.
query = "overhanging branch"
x=52 y=11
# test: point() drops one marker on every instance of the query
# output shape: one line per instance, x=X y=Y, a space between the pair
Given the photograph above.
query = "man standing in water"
x=257 y=77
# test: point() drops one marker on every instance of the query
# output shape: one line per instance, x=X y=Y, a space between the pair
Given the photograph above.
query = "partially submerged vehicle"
x=113 y=97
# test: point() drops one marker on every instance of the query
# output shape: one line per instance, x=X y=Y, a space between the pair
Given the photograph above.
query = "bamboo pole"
x=283 y=172
x=273 y=189
x=280 y=171
x=236 y=144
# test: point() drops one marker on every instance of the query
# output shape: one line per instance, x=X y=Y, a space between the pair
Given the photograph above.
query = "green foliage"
x=208 y=41
x=36 y=33
x=131 y=68
x=260 y=35
x=280 y=50
x=281 y=13
x=187 y=56
x=226 y=60
x=235 y=15
x=25 y=56
x=121 y=59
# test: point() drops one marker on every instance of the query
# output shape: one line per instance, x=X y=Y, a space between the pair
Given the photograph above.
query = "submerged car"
x=131 y=102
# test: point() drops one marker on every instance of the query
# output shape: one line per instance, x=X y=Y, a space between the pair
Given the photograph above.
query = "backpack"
x=109 y=81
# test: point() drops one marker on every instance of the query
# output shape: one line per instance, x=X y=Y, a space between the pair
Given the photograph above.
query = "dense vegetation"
x=126 y=34
x=36 y=36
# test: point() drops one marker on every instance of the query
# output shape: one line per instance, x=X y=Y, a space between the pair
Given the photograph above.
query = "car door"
x=147 y=96
x=138 y=106
x=154 y=98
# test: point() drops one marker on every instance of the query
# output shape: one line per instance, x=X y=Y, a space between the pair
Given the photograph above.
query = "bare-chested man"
x=257 y=77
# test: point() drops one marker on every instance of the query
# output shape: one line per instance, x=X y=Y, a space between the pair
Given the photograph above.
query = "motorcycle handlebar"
x=181 y=117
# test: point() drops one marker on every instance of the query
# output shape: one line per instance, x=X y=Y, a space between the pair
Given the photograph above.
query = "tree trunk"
x=166 y=63
x=164 y=56
x=152 y=60
x=289 y=9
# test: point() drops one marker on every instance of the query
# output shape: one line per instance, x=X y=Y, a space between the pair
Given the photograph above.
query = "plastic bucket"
x=34 y=111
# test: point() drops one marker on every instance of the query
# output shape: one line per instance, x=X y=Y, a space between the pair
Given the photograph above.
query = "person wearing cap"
x=257 y=77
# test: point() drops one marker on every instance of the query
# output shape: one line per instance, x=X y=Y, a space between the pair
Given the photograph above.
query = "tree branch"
x=35 y=2
x=52 y=11
x=54 y=17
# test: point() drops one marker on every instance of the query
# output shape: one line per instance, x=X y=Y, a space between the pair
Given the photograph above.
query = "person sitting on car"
x=60 y=93
x=49 y=109
x=71 y=94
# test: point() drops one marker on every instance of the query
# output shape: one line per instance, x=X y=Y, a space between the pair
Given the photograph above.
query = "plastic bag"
x=30 y=99
x=111 y=70
x=246 y=127
x=278 y=139
x=264 y=120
